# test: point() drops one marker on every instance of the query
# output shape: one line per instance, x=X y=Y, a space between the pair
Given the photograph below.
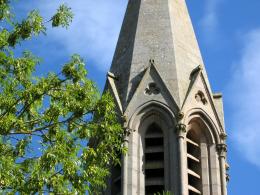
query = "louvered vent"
x=194 y=164
x=154 y=160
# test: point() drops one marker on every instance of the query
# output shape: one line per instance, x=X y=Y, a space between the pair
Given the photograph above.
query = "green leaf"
x=58 y=135
x=63 y=17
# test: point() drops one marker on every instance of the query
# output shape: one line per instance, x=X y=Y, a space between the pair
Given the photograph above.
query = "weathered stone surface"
x=157 y=77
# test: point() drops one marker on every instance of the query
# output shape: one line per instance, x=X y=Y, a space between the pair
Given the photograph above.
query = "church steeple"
x=161 y=31
x=174 y=124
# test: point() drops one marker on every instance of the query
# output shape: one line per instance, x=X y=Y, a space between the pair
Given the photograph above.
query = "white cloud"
x=94 y=31
x=244 y=95
x=210 y=16
x=209 y=21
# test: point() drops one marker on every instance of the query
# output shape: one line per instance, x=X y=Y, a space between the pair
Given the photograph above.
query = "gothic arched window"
x=154 y=160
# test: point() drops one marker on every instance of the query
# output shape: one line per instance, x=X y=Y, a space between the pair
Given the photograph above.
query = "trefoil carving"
x=152 y=89
x=200 y=97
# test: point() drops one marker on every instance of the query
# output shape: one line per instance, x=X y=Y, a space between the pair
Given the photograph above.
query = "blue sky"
x=228 y=33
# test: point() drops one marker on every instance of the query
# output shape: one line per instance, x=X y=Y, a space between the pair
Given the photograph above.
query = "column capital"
x=181 y=130
x=222 y=149
x=128 y=131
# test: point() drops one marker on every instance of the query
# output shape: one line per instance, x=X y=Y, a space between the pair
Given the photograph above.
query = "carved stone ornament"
x=227 y=177
x=151 y=61
x=222 y=149
x=181 y=129
x=124 y=118
x=180 y=115
x=227 y=169
x=152 y=89
x=223 y=136
x=128 y=131
x=200 y=97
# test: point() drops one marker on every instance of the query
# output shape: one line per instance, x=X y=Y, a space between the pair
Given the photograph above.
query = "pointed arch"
x=152 y=149
x=202 y=162
x=152 y=106
x=210 y=130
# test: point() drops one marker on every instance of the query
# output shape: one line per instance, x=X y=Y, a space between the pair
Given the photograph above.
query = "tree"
x=46 y=122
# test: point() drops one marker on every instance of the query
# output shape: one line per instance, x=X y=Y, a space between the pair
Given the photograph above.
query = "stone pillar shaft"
x=181 y=130
x=124 y=174
x=222 y=150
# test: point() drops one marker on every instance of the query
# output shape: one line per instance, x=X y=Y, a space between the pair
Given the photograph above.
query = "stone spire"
x=160 y=31
x=174 y=124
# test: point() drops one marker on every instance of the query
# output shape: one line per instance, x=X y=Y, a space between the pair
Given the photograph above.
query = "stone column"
x=222 y=150
x=181 y=131
x=125 y=163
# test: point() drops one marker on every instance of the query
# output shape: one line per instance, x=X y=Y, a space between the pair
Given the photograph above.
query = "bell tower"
x=174 y=124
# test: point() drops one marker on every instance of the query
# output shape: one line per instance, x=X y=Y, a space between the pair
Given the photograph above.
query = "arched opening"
x=201 y=155
x=194 y=162
x=152 y=156
x=154 y=160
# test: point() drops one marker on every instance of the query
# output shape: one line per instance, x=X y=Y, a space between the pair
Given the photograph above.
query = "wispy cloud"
x=94 y=31
x=244 y=96
x=209 y=22
x=209 y=19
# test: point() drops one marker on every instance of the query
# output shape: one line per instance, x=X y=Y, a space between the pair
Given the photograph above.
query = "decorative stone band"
x=222 y=150
x=181 y=130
